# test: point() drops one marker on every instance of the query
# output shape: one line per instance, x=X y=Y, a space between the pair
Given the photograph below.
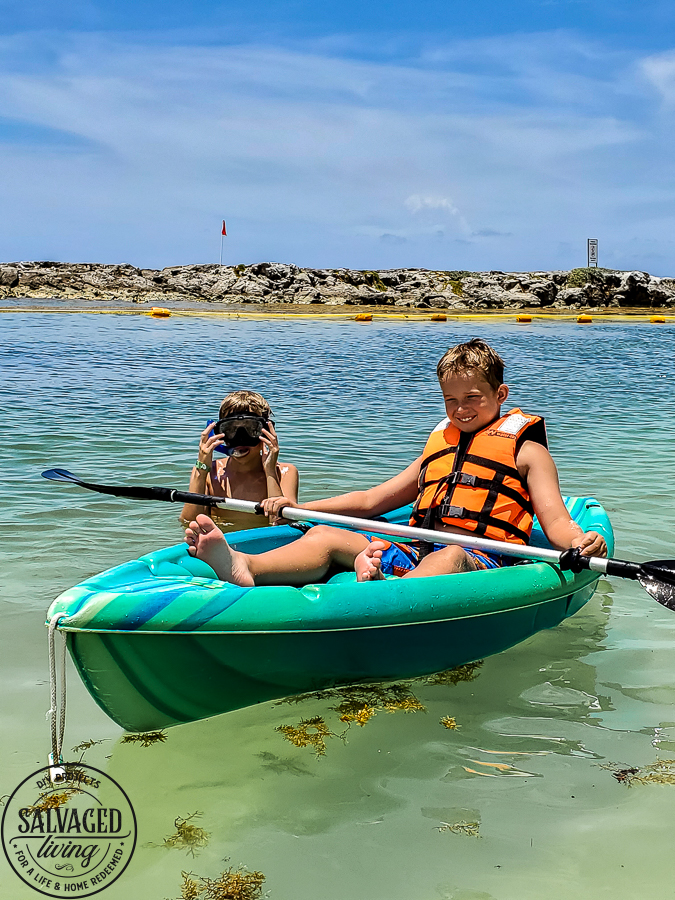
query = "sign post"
x=592 y=252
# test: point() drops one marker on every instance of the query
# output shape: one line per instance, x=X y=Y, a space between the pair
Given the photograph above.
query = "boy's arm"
x=536 y=464
x=397 y=491
x=289 y=481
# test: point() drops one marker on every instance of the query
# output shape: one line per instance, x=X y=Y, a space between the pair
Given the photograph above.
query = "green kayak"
x=160 y=640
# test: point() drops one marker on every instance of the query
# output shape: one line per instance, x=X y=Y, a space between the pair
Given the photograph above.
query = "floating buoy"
x=364 y=317
x=584 y=320
x=523 y=320
x=658 y=320
x=159 y=312
x=439 y=317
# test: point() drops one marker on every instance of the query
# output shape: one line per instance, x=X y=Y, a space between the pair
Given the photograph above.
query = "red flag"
x=224 y=231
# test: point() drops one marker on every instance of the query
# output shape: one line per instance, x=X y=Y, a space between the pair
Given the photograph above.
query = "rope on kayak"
x=56 y=771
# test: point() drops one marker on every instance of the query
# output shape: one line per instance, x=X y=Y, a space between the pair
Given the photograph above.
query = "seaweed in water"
x=187 y=837
x=355 y=711
x=233 y=884
x=87 y=745
x=660 y=772
x=309 y=733
x=467 y=672
x=280 y=766
x=449 y=722
x=359 y=702
x=470 y=828
x=52 y=801
x=145 y=739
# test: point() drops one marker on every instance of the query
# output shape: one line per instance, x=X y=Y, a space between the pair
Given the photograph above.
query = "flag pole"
x=223 y=232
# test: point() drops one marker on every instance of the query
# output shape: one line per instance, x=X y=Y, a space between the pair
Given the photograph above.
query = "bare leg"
x=301 y=562
x=368 y=564
x=447 y=561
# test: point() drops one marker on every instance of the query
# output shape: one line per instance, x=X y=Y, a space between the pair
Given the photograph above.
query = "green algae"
x=145 y=739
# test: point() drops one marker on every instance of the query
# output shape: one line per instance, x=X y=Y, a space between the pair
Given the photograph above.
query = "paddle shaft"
x=394 y=529
x=391 y=529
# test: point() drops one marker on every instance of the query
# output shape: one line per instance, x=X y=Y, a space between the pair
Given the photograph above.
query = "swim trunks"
x=397 y=559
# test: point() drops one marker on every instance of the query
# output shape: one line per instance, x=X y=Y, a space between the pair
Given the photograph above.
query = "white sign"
x=592 y=252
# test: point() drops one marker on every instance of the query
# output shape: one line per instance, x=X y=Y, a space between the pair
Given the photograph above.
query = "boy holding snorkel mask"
x=250 y=470
x=482 y=472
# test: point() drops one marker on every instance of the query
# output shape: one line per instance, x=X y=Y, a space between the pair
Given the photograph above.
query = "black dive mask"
x=241 y=431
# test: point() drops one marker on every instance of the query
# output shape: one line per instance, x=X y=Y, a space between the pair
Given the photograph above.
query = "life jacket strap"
x=483 y=520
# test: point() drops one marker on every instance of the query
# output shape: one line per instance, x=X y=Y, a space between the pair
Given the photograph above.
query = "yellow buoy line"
x=415 y=315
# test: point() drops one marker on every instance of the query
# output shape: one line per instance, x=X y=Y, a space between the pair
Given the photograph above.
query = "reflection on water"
x=503 y=786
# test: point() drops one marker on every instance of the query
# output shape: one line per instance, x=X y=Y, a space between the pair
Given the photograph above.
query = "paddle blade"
x=658 y=579
x=61 y=475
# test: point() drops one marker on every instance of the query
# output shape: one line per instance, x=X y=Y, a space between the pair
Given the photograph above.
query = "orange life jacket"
x=471 y=480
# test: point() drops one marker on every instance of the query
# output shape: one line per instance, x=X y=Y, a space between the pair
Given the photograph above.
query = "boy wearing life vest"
x=482 y=473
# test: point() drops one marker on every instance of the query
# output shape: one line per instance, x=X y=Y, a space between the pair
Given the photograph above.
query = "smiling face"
x=470 y=402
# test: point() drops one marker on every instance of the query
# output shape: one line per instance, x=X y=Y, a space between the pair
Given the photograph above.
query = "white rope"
x=54 y=712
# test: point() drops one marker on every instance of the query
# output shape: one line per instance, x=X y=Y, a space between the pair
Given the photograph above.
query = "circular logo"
x=69 y=838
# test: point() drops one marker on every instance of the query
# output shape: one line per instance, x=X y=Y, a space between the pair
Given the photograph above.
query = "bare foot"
x=367 y=564
x=208 y=543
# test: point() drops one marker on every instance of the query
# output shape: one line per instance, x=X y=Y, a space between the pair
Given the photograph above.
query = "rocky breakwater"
x=277 y=283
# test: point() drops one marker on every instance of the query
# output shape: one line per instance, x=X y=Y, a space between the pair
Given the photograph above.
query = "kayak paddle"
x=656 y=577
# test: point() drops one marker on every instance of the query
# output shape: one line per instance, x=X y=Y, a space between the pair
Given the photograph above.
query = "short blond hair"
x=473 y=356
x=244 y=403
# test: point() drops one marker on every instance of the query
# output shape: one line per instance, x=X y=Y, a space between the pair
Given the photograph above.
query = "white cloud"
x=659 y=70
x=416 y=203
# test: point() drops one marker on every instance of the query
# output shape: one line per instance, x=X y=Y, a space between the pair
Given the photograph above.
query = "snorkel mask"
x=239 y=431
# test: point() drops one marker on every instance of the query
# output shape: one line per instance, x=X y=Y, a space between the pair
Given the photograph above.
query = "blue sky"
x=479 y=135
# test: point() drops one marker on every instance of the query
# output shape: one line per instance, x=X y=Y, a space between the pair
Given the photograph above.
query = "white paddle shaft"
x=375 y=526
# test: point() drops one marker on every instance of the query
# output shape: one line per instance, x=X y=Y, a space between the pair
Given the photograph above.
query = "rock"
x=575 y=297
x=9 y=276
x=272 y=282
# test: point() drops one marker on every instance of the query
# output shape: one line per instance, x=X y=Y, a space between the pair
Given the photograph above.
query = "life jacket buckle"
x=448 y=511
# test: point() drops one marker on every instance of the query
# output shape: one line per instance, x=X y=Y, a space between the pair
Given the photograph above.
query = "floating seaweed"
x=280 y=766
x=355 y=711
x=87 y=745
x=145 y=739
x=470 y=828
x=660 y=772
x=233 y=884
x=358 y=703
x=467 y=672
x=449 y=722
x=390 y=697
x=187 y=837
x=51 y=800
x=309 y=733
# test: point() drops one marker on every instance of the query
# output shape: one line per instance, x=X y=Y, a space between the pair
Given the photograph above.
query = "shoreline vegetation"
x=279 y=287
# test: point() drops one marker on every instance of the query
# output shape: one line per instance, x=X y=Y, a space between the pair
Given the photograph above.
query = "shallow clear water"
x=123 y=399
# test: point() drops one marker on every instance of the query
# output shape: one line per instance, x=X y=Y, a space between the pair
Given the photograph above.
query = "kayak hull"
x=158 y=642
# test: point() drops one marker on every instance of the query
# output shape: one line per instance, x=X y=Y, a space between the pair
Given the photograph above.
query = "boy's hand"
x=208 y=444
x=270 y=453
x=273 y=508
x=591 y=544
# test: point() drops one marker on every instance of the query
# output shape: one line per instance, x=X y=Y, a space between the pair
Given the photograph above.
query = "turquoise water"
x=123 y=399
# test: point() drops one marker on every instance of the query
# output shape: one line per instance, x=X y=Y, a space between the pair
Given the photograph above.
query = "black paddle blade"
x=61 y=475
x=658 y=579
